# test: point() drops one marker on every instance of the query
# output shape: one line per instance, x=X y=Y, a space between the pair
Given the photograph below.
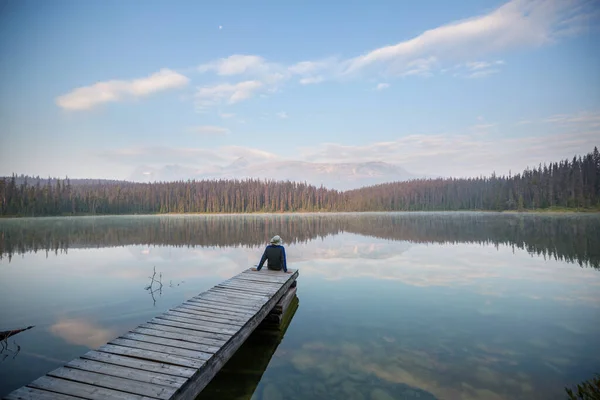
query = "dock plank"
x=214 y=316
x=113 y=382
x=27 y=393
x=220 y=321
x=201 y=325
x=143 y=365
x=236 y=299
x=190 y=335
x=182 y=344
x=255 y=290
x=235 y=305
x=162 y=348
x=151 y=355
x=77 y=389
x=174 y=355
x=127 y=372
x=165 y=334
x=232 y=301
x=194 y=329
x=204 y=304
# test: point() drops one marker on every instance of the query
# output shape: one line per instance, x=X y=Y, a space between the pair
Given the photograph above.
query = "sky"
x=97 y=89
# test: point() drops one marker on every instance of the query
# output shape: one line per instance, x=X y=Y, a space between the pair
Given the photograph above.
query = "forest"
x=573 y=184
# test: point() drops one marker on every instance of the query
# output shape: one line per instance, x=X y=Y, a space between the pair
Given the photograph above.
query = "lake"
x=390 y=305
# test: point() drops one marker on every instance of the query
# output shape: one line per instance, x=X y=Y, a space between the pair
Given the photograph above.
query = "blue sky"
x=98 y=89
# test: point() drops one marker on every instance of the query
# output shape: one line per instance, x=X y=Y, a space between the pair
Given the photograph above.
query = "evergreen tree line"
x=569 y=183
x=574 y=239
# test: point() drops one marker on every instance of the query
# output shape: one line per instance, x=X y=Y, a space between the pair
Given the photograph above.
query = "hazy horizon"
x=114 y=90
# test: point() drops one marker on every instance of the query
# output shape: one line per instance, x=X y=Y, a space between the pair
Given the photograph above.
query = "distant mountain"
x=340 y=176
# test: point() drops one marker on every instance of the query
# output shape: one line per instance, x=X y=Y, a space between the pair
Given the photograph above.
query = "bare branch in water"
x=6 y=334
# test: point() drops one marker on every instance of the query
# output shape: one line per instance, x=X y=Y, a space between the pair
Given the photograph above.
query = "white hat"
x=276 y=240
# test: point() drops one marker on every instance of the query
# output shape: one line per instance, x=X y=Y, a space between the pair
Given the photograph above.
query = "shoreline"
x=534 y=211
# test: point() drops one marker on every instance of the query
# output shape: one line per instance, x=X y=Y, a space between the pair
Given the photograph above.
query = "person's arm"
x=262 y=260
x=283 y=260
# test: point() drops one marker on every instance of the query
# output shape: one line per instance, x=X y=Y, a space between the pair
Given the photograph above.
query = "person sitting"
x=274 y=254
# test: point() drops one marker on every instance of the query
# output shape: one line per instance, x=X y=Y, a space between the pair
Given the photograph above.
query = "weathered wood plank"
x=226 y=304
x=190 y=327
x=259 y=280
x=241 y=279
x=253 y=282
x=222 y=322
x=211 y=314
x=78 y=389
x=266 y=278
x=27 y=393
x=195 y=336
x=203 y=304
x=230 y=301
x=212 y=366
x=252 y=290
x=165 y=334
x=152 y=356
x=114 y=382
x=201 y=325
x=237 y=297
x=207 y=309
x=162 y=348
x=241 y=294
x=127 y=372
x=145 y=365
x=255 y=291
x=171 y=342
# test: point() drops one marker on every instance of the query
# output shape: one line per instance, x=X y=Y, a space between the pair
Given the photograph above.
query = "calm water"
x=390 y=306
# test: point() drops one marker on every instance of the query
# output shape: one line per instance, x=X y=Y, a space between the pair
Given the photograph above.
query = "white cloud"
x=226 y=115
x=586 y=118
x=282 y=115
x=87 y=97
x=482 y=73
x=517 y=23
x=210 y=130
x=226 y=92
x=382 y=86
x=235 y=65
x=311 y=80
x=477 y=69
x=471 y=153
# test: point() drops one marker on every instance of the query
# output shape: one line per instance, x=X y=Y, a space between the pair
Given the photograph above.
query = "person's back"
x=274 y=255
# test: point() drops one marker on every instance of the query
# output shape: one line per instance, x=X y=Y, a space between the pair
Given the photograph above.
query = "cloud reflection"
x=81 y=332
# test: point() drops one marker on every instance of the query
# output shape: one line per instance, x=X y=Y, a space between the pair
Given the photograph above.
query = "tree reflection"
x=572 y=238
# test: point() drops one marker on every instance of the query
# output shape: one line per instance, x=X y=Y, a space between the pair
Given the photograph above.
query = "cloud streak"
x=85 y=98
x=209 y=130
x=226 y=93
x=518 y=23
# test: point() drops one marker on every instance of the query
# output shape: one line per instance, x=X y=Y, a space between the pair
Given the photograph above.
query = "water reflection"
x=574 y=238
x=460 y=306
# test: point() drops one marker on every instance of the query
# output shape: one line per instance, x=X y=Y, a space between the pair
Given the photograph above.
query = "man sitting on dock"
x=274 y=254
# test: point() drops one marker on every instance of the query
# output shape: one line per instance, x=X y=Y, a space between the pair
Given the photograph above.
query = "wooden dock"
x=175 y=355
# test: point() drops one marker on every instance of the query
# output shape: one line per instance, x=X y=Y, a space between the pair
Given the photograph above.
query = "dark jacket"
x=275 y=257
